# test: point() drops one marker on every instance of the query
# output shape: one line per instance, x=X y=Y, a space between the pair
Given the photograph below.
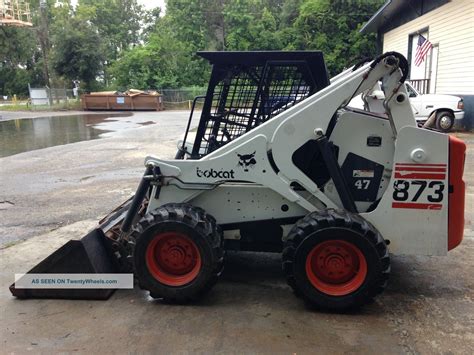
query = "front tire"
x=444 y=121
x=179 y=253
x=335 y=260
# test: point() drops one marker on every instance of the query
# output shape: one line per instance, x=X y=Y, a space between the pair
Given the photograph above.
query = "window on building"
x=417 y=72
x=423 y=75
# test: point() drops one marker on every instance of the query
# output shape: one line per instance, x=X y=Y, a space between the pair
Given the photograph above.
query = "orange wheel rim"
x=336 y=267
x=173 y=259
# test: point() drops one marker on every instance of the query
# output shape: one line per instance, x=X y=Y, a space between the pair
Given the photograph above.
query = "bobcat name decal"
x=211 y=173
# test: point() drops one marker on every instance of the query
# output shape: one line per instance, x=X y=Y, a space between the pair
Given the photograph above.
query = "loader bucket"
x=89 y=255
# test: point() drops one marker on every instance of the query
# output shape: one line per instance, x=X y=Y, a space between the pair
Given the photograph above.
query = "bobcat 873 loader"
x=280 y=163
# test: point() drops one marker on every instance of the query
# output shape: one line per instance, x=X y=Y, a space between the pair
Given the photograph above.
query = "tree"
x=20 y=61
x=333 y=27
x=77 y=52
x=240 y=15
x=264 y=32
x=151 y=21
x=118 y=23
x=117 y=43
x=162 y=62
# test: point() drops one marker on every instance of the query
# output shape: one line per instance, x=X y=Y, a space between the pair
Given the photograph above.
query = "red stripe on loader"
x=417 y=206
x=420 y=176
x=413 y=164
x=409 y=168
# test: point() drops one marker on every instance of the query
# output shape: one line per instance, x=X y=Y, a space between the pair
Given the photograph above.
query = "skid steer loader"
x=280 y=163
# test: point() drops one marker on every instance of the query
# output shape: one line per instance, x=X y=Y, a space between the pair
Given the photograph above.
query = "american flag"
x=422 y=50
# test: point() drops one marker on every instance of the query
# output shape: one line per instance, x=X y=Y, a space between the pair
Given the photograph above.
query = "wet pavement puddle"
x=22 y=135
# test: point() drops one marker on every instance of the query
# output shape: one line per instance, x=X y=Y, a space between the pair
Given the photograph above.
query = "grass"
x=181 y=105
x=76 y=105
x=70 y=105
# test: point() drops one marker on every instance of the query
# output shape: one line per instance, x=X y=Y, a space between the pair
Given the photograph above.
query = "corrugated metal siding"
x=451 y=26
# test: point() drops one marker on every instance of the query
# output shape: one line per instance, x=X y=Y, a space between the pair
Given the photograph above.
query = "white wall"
x=451 y=26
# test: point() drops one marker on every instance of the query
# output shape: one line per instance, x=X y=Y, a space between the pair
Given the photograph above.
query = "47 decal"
x=419 y=186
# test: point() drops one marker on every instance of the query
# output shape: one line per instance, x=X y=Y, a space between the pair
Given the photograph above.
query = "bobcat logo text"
x=215 y=174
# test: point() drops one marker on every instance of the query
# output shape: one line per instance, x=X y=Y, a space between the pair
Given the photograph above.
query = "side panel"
x=413 y=213
x=370 y=138
x=237 y=203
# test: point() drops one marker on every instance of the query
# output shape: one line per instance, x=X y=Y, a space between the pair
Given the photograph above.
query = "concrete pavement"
x=45 y=189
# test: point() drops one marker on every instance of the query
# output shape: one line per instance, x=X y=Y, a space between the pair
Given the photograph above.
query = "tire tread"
x=201 y=222
x=316 y=221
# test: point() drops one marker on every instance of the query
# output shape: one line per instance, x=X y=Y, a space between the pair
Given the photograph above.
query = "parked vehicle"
x=447 y=108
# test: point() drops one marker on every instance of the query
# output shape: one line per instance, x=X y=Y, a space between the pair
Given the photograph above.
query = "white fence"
x=50 y=96
x=39 y=96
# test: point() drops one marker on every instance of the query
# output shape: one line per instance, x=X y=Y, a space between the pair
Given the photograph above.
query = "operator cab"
x=247 y=89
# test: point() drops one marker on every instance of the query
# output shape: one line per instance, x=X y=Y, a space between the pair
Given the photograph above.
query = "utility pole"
x=43 y=36
x=222 y=19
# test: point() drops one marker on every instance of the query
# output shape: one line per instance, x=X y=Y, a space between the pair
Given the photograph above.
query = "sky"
x=150 y=4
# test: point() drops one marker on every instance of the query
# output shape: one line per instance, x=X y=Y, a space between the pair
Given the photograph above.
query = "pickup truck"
x=447 y=108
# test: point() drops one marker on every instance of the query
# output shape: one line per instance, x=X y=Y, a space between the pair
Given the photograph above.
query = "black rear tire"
x=179 y=252
x=325 y=244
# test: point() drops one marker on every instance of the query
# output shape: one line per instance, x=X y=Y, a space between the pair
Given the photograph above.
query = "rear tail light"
x=461 y=105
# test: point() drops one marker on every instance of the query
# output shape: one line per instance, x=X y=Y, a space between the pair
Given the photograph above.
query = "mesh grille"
x=249 y=96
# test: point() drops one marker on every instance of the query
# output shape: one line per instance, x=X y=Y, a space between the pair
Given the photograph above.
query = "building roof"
x=385 y=13
x=395 y=13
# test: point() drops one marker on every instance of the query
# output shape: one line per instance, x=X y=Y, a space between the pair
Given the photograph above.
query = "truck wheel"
x=179 y=252
x=444 y=121
x=179 y=154
x=335 y=260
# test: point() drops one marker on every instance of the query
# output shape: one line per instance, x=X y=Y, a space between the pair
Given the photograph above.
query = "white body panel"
x=350 y=135
x=236 y=203
x=210 y=181
x=416 y=230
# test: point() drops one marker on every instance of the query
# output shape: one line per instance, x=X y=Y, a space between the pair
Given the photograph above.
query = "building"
x=448 y=67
